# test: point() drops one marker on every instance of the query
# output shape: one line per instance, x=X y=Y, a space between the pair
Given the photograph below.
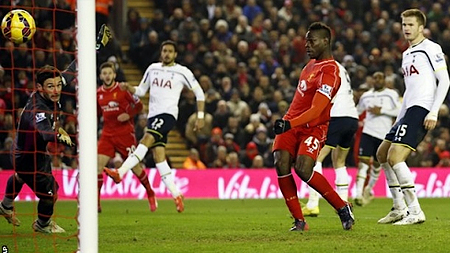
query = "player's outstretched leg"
x=114 y=174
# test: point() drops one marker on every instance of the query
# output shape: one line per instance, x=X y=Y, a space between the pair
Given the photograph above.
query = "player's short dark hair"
x=323 y=28
x=420 y=16
x=169 y=42
x=45 y=73
x=108 y=64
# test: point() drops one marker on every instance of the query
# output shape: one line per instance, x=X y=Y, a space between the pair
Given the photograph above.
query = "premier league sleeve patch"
x=40 y=116
x=326 y=90
x=439 y=57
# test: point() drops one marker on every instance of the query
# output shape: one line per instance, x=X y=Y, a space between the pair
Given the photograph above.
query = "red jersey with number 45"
x=111 y=103
x=317 y=76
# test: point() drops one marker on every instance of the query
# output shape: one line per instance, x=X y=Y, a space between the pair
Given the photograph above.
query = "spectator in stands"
x=193 y=161
x=133 y=21
x=248 y=154
x=258 y=162
x=102 y=9
x=221 y=115
x=220 y=159
x=230 y=144
x=235 y=104
x=444 y=161
x=199 y=138
x=251 y=10
x=58 y=57
x=213 y=145
x=234 y=128
x=257 y=99
x=233 y=161
x=137 y=42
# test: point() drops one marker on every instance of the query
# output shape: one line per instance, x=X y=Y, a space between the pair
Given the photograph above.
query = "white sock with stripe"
x=133 y=159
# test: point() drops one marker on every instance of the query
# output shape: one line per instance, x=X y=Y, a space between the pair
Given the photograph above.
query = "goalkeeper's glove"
x=64 y=137
x=281 y=126
x=103 y=37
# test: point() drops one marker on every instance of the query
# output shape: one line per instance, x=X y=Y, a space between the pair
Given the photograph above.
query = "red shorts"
x=302 y=141
x=123 y=144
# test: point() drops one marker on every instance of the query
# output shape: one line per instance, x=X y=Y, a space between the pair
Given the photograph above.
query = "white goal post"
x=87 y=127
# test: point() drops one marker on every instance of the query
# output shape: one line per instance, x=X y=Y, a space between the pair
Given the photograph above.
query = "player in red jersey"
x=118 y=107
x=302 y=131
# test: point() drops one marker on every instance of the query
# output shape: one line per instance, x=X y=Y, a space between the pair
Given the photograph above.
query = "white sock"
x=394 y=186
x=406 y=180
x=361 y=178
x=374 y=175
x=342 y=182
x=166 y=175
x=313 y=200
x=133 y=159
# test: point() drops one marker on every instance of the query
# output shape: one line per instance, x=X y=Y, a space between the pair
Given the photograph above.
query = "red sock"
x=321 y=185
x=99 y=185
x=289 y=190
x=144 y=181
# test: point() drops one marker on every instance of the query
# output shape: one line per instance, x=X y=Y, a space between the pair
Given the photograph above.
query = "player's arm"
x=143 y=87
x=45 y=128
x=319 y=103
x=135 y=105
x=200 y=97
x=394 y=109
x=441 y=91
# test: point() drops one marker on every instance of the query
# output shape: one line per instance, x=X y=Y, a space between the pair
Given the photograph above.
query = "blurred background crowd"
x=247 y=56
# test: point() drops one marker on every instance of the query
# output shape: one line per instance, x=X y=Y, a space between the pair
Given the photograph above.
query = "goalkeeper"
x=37 y=127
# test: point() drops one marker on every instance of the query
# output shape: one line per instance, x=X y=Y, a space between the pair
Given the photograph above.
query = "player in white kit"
x=381 y=105
x=164 y=80
x=342 y=128
x=427 y=83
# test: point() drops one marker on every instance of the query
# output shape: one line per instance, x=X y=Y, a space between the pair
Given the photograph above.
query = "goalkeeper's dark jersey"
x=35 y=130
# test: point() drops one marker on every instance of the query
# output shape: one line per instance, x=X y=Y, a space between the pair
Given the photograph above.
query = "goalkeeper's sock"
x=394 y=187
x=342 y=182
x=313 y=200
x=133 y=159
x=321 y=185
x=144 y=181
x=361 y=178
x=289 y=190
x=166 y=175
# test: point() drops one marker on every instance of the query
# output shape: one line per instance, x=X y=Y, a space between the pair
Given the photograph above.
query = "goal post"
x=87 y=135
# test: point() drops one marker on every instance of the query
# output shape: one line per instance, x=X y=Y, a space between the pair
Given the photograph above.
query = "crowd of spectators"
x=247 y=56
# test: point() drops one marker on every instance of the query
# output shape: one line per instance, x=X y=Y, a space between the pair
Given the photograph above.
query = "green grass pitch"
x=232 y=226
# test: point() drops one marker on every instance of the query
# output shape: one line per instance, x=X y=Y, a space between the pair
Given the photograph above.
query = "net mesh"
x=53 y=44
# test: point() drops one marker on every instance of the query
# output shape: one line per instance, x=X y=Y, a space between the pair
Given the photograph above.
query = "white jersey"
x=419 y=65
x=378 y=125
x=343 y=103
x=165 y=84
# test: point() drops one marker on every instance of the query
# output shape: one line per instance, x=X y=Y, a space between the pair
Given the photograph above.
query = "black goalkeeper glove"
x=103 y=37
x=281 y=126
